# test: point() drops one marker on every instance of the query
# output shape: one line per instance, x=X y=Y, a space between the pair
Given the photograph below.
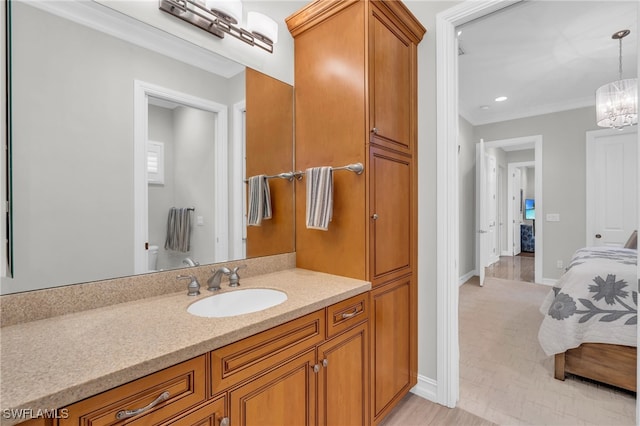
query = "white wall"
x=467 y=181
x=426 y=12
x=195 y=178
x=278 y=65
x=161 y=196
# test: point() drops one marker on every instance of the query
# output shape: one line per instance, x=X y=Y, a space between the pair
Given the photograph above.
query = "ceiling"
x=545 y=56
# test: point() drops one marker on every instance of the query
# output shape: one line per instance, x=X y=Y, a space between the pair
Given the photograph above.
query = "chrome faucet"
x=189 y=262
x=193 y=289
x=214 y=281
x=234 y=278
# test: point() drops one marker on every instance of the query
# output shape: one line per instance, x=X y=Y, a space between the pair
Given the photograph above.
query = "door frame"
x=510 y=217
x=592 y=137
x=447 y=213
x=141 y=92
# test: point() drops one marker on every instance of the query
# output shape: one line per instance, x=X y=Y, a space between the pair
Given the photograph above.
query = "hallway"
x=518 y=268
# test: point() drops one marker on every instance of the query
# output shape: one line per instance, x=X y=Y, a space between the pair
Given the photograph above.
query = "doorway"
x=146 y=94
x=447 y=191
x=500 y=152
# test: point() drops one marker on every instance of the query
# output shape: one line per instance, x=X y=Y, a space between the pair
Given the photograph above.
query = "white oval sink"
x=237 y=302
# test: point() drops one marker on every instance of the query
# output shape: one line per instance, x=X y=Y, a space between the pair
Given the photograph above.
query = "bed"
x=590 y=317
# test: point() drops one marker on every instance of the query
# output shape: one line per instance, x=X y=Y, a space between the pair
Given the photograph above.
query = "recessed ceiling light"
x=484 y=106
x=500 y=99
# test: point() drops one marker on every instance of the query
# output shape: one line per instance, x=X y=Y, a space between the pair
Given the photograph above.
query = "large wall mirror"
x=115 y=148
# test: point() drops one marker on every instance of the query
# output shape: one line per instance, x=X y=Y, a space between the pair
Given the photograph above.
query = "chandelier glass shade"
x=617 y=102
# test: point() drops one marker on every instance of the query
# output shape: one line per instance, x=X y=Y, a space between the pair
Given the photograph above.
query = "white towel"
x=178 y=230
x=319 y=197
x=259 y=207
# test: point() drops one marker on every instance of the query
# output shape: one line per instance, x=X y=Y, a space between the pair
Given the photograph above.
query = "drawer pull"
x=125 y=414
x=350 y=315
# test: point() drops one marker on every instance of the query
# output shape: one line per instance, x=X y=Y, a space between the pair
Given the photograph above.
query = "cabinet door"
x=343 y=388
x=391 y=344
x=211 y=414
x=284 y=396
x=391 y=62
x=391 y=213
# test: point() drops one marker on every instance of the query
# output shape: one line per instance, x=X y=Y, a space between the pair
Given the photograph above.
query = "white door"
x=481 y=210
x=492 y=210
x=516 y=207
x=612 y=187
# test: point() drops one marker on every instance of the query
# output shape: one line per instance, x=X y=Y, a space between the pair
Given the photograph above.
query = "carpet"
x=506 y=378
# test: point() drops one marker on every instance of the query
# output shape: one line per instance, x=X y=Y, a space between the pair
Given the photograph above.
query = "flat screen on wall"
x=529 y=209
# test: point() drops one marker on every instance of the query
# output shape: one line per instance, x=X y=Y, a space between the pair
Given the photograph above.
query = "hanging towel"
x=178 y=230
x=259 y=200
x=319 y=197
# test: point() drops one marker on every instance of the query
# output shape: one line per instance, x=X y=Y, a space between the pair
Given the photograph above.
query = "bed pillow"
x=632 y=242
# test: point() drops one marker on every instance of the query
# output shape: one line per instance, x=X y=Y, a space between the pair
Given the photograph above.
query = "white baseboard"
x=426 y=388
x=506 y=253
x=463 y=279
x=549 y=281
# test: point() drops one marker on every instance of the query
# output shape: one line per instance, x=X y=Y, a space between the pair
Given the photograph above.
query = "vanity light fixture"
x=220 y=17
x=617 y=102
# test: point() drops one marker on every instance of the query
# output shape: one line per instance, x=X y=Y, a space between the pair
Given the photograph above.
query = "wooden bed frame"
x=614 y=365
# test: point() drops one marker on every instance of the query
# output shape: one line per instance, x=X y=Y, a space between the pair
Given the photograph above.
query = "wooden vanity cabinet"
x=298 y=373
x=343 y=379
x=184 y=386
x=356 y=101
x=282 y=396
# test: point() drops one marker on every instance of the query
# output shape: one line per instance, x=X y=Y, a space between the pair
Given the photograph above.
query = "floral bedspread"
x=595 y=301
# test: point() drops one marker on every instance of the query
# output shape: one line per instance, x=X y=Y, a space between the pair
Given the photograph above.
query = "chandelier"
x=617 y=102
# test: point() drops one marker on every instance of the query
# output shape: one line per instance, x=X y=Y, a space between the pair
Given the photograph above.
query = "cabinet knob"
x=325 y=362
x=598 y=236
x=224 y=421
x=375 y=216
x=316 y=368
x=374 y=130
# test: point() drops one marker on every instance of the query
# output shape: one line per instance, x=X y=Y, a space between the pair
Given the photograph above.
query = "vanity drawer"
x=344 y=315
x=238 y=361
x=184 y=382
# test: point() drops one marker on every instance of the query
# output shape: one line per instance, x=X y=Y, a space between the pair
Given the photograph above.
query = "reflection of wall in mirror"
x=189 y=180
x=72 y=146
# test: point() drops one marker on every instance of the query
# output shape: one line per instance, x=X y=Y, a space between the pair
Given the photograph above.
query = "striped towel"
x=259 y=207
x=178 y=230
x=319 y=197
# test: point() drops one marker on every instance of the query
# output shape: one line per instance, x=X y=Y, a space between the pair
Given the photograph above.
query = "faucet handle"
x=234 y=278
x=193 y=289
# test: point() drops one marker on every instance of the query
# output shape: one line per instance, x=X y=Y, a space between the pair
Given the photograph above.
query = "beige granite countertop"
x=50 y=363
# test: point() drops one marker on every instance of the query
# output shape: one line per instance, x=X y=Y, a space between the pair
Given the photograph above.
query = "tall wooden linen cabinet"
x=356 y=101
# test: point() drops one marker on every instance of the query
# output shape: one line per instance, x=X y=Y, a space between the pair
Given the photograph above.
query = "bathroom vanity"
x=126 y=356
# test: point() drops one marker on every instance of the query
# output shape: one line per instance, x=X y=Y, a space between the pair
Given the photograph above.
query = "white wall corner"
x=426 y=388
x=463 y=279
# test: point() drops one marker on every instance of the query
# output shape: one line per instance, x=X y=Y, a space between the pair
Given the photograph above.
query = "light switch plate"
x=553 y=217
